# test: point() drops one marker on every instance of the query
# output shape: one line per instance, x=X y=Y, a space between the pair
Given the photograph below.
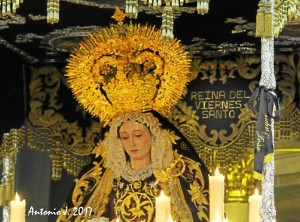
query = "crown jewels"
x=127 y=69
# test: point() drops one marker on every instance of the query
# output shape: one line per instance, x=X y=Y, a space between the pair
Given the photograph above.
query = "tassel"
x=167 y=23
x=268 y=22
x=260 y=20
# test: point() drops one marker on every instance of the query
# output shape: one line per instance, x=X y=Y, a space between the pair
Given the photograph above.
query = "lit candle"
x=254 y=205
x=216 y=195
x=163 y=207
x=170 y=219
x=217 y=217
x=17 y=210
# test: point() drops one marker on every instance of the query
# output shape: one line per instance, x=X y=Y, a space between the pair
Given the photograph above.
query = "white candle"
x=217 y=217
x=216 y=195
x=254 y=205
x=17 y=210
x=163 y=207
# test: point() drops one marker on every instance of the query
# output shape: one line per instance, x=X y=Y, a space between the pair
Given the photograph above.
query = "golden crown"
x=127 y=69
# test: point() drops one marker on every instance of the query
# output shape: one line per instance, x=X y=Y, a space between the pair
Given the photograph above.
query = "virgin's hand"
x=114 y=220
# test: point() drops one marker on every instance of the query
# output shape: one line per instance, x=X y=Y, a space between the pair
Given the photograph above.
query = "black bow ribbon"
x=262 y=103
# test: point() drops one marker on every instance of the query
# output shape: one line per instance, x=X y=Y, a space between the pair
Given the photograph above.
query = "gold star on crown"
x=115 y=71
x=119 y=16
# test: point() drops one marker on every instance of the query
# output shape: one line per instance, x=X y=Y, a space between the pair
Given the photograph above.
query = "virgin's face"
x=136 y=140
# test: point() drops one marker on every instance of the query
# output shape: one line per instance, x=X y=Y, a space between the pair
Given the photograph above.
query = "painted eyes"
x=127 y=137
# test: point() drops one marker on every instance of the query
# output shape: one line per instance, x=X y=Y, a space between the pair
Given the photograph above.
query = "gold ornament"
x=128 y=69
x=119 y=16
x=175 y=169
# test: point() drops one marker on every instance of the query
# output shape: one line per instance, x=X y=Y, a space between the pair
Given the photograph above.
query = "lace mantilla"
x=131 y=175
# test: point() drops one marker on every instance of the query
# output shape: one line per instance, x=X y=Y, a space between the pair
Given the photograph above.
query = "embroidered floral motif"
x=135 y=201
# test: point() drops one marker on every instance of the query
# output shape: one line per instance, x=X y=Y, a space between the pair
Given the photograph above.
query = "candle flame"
x=162 y=194
x=256 y=192
x=170 y=218
x=117 y=220
x=17 y=197
x=217 y=173
x=218 y=216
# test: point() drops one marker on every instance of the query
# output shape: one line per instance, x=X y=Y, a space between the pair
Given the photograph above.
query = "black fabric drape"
x=262 y=103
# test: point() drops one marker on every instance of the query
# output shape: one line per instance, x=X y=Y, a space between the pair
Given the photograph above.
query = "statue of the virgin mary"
x=130 y=78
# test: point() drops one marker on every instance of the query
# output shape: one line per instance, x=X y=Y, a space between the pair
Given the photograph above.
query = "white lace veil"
x=161 y=146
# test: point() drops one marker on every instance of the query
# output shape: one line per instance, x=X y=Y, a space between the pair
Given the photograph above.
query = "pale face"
x=136 y=140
